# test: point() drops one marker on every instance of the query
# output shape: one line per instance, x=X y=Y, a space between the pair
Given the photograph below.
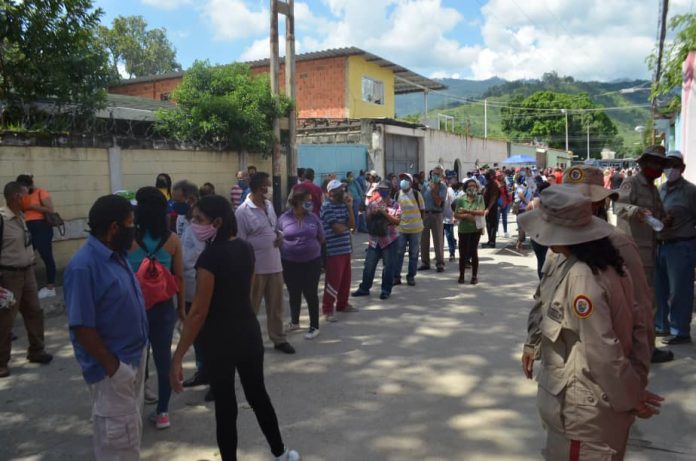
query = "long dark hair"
x=151 y=213
x=599 y=254
x=217 y=206
x=167 y=180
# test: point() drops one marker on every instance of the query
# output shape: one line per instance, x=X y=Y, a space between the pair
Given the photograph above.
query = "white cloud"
x=594 y=39
x=167 y=4
x=441 y=74
x=234 y=19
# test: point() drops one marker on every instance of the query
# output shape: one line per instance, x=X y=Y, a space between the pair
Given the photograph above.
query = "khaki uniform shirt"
x=588 y=383
x=16 y=241
x=638 y=192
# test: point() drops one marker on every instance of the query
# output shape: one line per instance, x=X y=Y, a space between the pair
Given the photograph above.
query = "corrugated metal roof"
x=406 y=81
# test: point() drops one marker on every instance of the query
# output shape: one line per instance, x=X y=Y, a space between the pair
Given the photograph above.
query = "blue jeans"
x=161 y=319
x=372 y=257
x=504 y=215
x=451 y=241
x=42 y=240
x=674 y=286
x=413 y=242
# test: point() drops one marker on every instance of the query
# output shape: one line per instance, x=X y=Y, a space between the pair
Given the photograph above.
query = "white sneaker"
x=330 y=318
x=507 y=236
x=292 y=327
x=46 y=292
x=150 y=396
x=312 y=333
x=289 y=455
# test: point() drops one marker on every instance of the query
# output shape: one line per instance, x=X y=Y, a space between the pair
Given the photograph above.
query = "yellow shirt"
x=411 y=219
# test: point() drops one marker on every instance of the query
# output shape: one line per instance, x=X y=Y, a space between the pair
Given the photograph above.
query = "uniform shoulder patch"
x=625 y=187
x=582 y=306
x=575 y=175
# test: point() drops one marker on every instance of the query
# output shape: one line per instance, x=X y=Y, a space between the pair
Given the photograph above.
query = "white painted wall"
x=444 y=148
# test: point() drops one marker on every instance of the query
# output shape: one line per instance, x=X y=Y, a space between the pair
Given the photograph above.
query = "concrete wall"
x=444 y=148
x=76 y=177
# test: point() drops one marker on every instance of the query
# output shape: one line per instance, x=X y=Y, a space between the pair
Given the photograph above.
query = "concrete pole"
x=425 y=106
x=588 y=141
x=275 y=90
x=566 y=116
x=485 y=118
x=290 y=91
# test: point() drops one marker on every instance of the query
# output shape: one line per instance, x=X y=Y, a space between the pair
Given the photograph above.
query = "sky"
x=601 y=40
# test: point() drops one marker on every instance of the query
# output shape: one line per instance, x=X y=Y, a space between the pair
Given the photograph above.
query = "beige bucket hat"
x=589 y=181
x=564 y=218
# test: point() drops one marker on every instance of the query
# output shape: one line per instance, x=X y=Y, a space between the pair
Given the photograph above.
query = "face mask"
x=405 y=185
x=203 y=232
x=338 y=196
x=123 y=239
x=181 y=208
x=384 y=193
x=308 y=205
x=672 y=174
x=435 y=178
x=350 y=180
x=243 y=184
x=651 y=173
x=470 y=192
x=161 y=184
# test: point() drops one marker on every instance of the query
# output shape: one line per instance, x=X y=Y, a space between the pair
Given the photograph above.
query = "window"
x=372 y=91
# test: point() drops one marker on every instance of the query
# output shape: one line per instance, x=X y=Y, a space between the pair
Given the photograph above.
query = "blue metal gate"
x=332 y=158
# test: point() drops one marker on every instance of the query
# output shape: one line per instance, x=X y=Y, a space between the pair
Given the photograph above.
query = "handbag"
x=54 y=220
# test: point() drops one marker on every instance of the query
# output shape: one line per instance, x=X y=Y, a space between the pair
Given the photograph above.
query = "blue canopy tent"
x=519 y=160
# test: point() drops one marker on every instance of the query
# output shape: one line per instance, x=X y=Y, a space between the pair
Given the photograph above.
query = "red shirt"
x=316 y=192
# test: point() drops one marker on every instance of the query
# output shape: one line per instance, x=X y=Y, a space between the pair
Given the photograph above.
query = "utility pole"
x=290 y=91
x=425 y=105
x=565 y=111
x=485 y=118
x=662 y=24
x=286 y=8
x=275 y=91
x=588 y=141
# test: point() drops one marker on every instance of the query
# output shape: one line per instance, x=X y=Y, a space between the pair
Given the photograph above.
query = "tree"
x=540 y=116
x=49 y=51
x=142 y=52
x=223 y=107
x=675 y=54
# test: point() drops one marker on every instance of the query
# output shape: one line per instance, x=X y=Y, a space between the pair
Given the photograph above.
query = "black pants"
x=251 y=377
x=303 y=279
x=468 y=248
x=492 y=224
x=42 y=241
x=540 y=253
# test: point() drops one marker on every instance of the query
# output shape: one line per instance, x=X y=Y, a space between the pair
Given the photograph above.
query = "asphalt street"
x=431 y=374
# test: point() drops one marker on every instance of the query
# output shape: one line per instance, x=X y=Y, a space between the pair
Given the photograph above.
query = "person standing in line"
x=591 y=382
x=434 y=195
x=240 y=190
x=337 y=219
x=35 y=205
x=676 y=255
x=17 y=276
x=357 y=193
x=384 y=245
x=303 y=237
x=448 y=216
x=257 y=224
x=314 y=190
x=193 y=242
x=505 y=201
x=468 y=209
x=410 y=228
x=153 y=238
x=639 y=201
x=223 y=317
x=523 y=195
x=109 y=328
x=371 y=189
x=491 y=194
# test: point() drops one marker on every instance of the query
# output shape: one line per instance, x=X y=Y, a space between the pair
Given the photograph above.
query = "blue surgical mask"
x=383 y=193
x=243 y=184
x=435 y=178
x=308 y=205
x=404 y=184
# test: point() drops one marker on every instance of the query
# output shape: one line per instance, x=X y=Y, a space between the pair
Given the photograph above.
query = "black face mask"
x=161 y=184
x=123 y=239
x=338 y=196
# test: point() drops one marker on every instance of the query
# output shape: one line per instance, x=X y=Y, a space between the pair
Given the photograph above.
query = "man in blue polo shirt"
x=108 y=328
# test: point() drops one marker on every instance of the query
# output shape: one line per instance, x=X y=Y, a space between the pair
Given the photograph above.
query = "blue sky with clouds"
x=592 y=39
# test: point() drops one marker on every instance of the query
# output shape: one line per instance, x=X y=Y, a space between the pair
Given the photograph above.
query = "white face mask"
x=672 y=174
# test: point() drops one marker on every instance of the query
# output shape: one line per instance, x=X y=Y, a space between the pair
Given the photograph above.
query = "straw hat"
x=589 y=181
x=564 y=218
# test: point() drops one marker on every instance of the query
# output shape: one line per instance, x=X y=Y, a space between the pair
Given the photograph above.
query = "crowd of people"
x=184 y=255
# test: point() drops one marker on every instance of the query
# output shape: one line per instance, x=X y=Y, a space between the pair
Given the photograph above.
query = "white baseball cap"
x=334 y=184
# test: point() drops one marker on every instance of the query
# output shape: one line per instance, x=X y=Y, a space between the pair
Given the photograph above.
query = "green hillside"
x=469 y=116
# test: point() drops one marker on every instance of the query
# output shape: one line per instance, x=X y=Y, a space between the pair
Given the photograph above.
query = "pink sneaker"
x=162 y=421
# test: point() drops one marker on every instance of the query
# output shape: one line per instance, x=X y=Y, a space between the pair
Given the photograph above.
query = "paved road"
x=430 y=374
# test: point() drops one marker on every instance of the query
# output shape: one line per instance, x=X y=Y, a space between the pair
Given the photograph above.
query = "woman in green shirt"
x=466 y=209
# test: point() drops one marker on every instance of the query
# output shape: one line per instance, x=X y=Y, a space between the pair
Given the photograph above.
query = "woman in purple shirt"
x=303 y=236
